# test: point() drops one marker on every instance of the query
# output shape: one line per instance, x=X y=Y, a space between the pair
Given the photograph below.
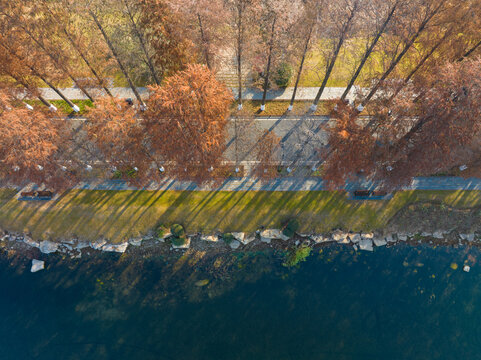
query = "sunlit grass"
x=118 y=215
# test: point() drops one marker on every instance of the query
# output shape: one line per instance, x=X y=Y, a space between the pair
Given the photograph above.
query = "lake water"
x=395 y=303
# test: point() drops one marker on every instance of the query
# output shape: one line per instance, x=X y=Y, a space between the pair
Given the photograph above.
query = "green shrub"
x=179 y=241
x=283 y=75
x=177 y=231
x=290 y=228
x=228 y=238
x=296 y=255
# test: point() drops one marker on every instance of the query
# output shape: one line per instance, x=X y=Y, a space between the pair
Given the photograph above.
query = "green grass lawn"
x=118 y=215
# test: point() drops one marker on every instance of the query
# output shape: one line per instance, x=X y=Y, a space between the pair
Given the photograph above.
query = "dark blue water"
x=397 y=303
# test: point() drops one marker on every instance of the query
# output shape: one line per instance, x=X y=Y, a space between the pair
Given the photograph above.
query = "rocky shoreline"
x=214 y=243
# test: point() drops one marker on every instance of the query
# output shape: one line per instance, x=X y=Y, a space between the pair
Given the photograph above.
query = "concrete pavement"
x=304 y=93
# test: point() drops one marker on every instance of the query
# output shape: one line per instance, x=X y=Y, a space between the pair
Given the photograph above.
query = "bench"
x=369 y=195
x=36 y=195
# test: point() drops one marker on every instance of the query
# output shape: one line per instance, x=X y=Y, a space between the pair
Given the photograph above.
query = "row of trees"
x=142 y=41
x=181 y=132
x=411 y=56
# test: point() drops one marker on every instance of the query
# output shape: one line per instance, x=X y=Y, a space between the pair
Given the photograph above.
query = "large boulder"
x=340 y=237
x=272 y=234
x=365 y=245
x=380 y=242
x=355 y=238
x=97 y=245
x=37 y=265
x=210 y=238
x=120 y=248
x=319 y=239
x=239 y=236
x=234 y=244
x=29 y=241
x=48 y=247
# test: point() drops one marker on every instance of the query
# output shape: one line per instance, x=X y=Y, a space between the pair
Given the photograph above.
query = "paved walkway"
x=287 y=184
x=305 y=93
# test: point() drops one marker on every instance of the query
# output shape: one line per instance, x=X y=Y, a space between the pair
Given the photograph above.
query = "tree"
x=380 y=29
x=114 y=128
x=204 y=27
x=242 y=26
x=424 y=137
x=21 y=17
x=29 y=145
x=421 y=16
x=186 y=122
x=277 y=20
x=116 y=55
x=308 y=22
x=345 y=10
x=164 y=28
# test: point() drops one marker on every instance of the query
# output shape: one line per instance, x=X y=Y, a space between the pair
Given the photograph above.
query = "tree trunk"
x=77 y=48
x=84 y=58
x=368 y=52
x=418 y=66
x=41 y=77
x=332 y=62
x=268 y=67
x=49 y=54
x=239 y=54
x=40 y=97
x=112 y=49
x=399 y=57
x=299 y=72
x=142 y=44
x=470 y=51
x=204 y=42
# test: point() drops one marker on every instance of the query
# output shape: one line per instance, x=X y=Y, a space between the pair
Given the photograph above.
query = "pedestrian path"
x=285 y=184
x=303 y=93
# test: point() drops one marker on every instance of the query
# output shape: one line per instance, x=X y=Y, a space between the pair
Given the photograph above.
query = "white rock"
x=120 y=248
x=466 y=268
x=426 y=234
x=248 y=239
x=186 y=245
x=355 y=238
x=463 y=236
x=340 y=237
x=97 y=245
x=380 y=242
x=239 y=236
x=211 y=238
x=67 y=246
x=48 y=247
x=320 y=239
x=271 y=234
x=367 y=236
x=366 y=245
x=438 y=235
x=136 y=242
x=390 y=239
x=234 y=244
x=29 y=241
x=37 y=265
x=82 y=245
x=402 y=237
x=470 y=237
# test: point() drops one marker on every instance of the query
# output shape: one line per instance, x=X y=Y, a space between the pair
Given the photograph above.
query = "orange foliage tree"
x=186 y=121
x=114 y=128
x=29 y=145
